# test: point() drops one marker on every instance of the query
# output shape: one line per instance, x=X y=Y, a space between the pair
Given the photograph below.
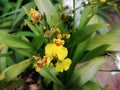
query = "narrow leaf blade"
x=13 y=41
x=14 y=70
x=82 y=35
x=111 y=39
x=46 y=7
x=87 y=71
x=94 y=53
x=46 y=73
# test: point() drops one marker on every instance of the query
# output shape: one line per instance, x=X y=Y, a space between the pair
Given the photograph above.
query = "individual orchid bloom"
x=65 y=36
x=59 y=36
x=52 y=31
x=36 y=16
x=57 y=31
x=47 y=60
x=63 y=65
x=38 y=66
x=58 y=42
x=36 y=58
x=58 y=52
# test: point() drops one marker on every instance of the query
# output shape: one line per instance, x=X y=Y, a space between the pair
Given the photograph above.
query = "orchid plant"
x=49 y=38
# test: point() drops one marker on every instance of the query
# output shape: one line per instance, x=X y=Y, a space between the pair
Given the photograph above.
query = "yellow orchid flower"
x=47 y=60
x=38 y=66
x=65 y=36
x=57 y=31
x=55 y=51
x=36 y=16
x=58 y=42
x=63 y=65
x=36 y=58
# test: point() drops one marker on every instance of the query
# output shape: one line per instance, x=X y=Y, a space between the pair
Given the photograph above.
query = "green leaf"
x=19 y=2
x=34 y=29
x=10 y=13
x=84 y=17
x=18 y=57
x=96 y=20
x=6 y=6
x=93 y=20
x=25 y=52
x=51 y=75
x=38 y=42
x=3 y=60
x=5 y=24
x=16 y=43
x=116 y=9
x=94 y=53
x=10 y=61
x=110 y=39
x=55 y=87
x=105 y=29
x=90 y=85
x=115 y=30
x=25 y=34
x=80 y=49
x=49 y=11
x=85 y=73
x=14 y=70
x=22 y=13
x=82 y=35
x=105 y=15
x=13 y=41
x=46 y=7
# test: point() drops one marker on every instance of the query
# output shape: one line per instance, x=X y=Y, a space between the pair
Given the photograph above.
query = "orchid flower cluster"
x=48 y=39
x=55 y=52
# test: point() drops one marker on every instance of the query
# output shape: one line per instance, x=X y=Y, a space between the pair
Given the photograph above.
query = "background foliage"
x=89 y=43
